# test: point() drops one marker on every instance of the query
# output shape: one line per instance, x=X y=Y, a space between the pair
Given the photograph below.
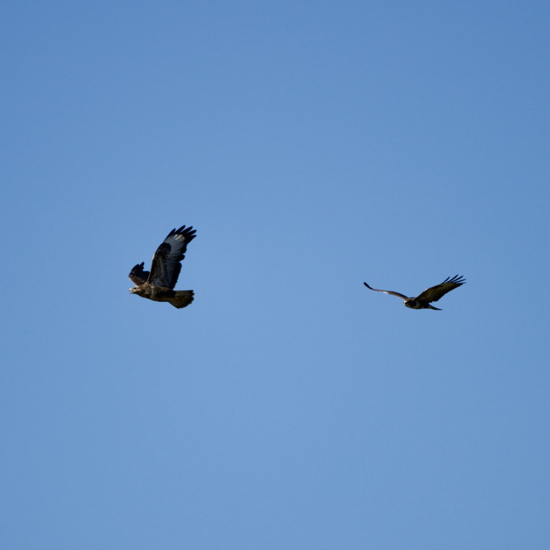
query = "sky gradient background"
x=314 y=146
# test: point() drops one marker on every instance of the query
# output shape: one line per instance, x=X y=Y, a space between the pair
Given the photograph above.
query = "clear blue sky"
x=314 y=146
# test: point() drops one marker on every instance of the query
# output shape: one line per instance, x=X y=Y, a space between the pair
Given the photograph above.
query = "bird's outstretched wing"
x=166 y=265
x=138 y=275
x=388 y=292
x=434 y=293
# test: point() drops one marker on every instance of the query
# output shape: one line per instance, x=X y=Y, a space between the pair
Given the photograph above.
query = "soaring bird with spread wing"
x=432 y=294
x=159 y=283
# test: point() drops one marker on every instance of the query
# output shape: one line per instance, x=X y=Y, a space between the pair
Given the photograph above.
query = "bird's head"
x=134 y=290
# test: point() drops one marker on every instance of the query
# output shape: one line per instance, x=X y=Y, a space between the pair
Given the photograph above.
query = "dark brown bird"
x=158 y=285
x=432 y=294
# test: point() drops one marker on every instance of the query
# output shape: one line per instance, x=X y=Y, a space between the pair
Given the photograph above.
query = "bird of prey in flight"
x=432 y=294
x=159 y=283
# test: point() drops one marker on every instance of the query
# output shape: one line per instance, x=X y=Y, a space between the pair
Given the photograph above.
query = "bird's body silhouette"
x=159 y=283
x=432 y=294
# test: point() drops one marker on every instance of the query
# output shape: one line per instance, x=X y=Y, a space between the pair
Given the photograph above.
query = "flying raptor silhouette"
x=432 y=294
x=159 y=283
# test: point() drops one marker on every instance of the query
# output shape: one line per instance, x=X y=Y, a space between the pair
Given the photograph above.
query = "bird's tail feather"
x=182 y=298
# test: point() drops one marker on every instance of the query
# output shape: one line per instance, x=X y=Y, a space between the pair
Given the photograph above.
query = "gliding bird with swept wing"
x=158 y=285
x=432 y=294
